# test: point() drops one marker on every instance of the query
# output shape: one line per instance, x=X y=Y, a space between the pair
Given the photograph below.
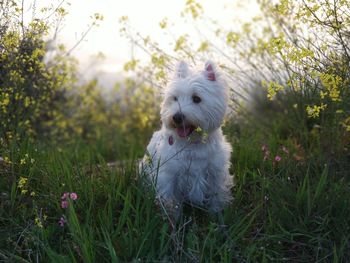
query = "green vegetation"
x=290 y=137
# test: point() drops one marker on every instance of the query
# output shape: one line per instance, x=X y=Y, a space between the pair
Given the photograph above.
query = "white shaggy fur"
x=188 y=158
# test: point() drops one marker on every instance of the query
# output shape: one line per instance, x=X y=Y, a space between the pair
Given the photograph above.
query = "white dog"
x=188 y=160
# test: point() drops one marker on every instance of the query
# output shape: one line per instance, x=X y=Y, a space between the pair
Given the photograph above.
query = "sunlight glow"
x=144 y=17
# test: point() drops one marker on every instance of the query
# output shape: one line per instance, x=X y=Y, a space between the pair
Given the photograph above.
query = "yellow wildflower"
x=148 y=159
x=26 y=102
x=346 y=124
x=198 y=129
x=37 y=222
x=272 y=88
x=314 y=111
x=163 y=24
x=332 y=84
x=6 y=100
x=204 y=137
x=22 y=182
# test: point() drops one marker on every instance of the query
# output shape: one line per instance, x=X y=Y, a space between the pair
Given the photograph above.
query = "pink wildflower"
x=65 y=196
x=278 y=158
x=62 y=221
x=73 y=196
x=64 y=204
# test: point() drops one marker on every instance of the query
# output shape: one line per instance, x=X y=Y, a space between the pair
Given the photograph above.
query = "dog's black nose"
x=178 y=118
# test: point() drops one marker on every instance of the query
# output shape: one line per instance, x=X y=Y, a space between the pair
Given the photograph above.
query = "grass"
x=295 y=210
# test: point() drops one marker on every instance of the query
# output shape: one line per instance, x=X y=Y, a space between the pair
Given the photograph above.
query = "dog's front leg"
x=220 y=191
x=170 y=205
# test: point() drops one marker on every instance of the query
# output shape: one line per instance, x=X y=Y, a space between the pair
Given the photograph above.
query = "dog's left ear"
x=210 y=71
x=182 y=70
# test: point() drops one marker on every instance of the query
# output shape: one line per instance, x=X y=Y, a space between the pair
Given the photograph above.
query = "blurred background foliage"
x=288 y=76
x=41 y=98
x=288 y=71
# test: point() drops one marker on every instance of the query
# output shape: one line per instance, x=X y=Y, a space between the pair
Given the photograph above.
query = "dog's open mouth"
x=185 y=130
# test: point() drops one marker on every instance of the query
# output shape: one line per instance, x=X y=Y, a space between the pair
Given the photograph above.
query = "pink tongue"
x=183 y=131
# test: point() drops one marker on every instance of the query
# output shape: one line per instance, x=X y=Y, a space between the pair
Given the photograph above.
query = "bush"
x=41 y=99
x=33 y=93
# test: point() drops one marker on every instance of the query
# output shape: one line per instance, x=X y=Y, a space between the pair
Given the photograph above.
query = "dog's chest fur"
x=185 y=157
x=190 y=165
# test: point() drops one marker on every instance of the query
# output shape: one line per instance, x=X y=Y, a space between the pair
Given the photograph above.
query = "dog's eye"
x=175 y=98
x=196 y=99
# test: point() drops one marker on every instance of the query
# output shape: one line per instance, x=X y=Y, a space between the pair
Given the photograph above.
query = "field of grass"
x=61 y=200
x=294 y=208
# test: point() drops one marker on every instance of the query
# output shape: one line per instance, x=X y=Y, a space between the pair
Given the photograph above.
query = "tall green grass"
x=296 y=211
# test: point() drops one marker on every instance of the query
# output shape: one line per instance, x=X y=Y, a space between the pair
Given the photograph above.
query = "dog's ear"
x=210 y=71
x=181 y=70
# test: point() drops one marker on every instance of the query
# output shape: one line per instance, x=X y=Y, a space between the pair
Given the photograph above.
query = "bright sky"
x=144 y=16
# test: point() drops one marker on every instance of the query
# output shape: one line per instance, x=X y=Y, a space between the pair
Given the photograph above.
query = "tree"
x=35 y=91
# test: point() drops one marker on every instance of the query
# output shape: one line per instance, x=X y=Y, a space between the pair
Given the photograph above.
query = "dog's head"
x=194 y=101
